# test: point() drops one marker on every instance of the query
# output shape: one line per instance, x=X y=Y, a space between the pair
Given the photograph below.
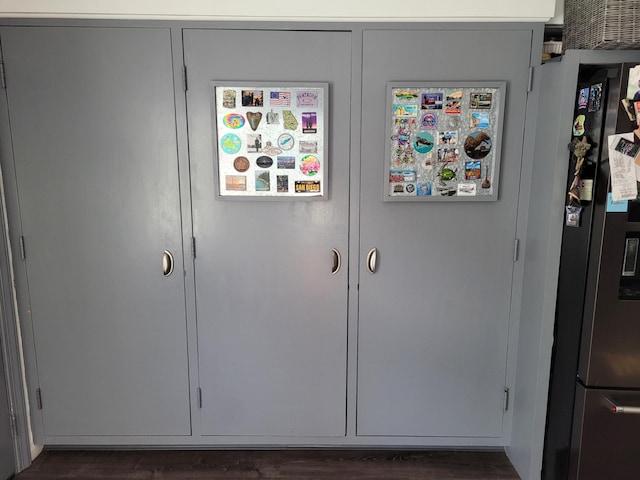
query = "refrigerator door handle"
x=620 y=409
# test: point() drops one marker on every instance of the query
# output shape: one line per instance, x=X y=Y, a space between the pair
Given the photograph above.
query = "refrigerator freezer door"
x=605 y=434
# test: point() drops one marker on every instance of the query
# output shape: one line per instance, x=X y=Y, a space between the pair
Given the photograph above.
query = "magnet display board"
x=270 y=139
x=443 y=141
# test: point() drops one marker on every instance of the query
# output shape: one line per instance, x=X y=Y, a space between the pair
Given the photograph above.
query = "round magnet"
x=429 y=121
x=286 y=141
x=309 y=165
x=233 y=120
x=264 y=161
x=241 y=164
x=477 y=145
x=230 y=143
x=423 y=142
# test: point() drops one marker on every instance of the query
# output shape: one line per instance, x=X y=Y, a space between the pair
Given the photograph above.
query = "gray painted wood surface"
x=434 y=319
x=7 y=456
x=272 y=320
x=94 y=134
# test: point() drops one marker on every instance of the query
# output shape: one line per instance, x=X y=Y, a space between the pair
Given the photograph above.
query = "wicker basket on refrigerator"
x=601 y=24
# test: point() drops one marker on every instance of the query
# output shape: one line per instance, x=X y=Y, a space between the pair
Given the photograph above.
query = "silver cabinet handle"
x=372 y=260
x=167 y=263
x=337 y=261
x=621 y=409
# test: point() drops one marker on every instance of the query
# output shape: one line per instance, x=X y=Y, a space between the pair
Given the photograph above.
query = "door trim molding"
x=11 y=351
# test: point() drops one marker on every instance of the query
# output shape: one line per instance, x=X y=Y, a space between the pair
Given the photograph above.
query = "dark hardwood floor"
x=265 y=464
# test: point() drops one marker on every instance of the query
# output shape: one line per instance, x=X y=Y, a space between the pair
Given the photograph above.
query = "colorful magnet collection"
x=271 y=140
x=442 y=141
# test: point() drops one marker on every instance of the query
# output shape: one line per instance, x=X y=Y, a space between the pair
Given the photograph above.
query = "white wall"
x=409 y=10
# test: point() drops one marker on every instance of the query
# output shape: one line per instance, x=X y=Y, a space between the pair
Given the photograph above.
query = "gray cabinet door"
x=434 y=319
x=7 y=455
x=271 y=317
x=94 y=136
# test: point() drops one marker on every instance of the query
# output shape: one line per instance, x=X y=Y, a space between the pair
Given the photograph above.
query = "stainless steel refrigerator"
x=593 y=420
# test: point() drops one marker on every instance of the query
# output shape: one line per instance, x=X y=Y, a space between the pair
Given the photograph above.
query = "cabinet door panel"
x=94 y=135
x=434 y=319
x=271 y=318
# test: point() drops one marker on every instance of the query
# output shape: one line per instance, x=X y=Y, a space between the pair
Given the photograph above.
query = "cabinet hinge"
x=3 y=78
x=530 y=81
x=506 y=399
x=193 y=247
x=516 y=249
x=199 y=392
x=23 y=254
x=39 y=398
x=185 y=84
x=14 y=424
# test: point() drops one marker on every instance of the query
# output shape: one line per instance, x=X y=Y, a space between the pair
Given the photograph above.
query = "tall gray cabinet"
x=93 y=129
x=156 y=312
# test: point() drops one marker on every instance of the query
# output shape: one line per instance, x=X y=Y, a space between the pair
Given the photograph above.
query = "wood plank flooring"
x=266 y=464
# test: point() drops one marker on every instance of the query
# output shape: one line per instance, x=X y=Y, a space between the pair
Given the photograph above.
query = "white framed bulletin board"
x=270 y=139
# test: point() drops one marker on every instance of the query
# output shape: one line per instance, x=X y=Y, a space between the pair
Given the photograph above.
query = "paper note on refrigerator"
x=622 y=155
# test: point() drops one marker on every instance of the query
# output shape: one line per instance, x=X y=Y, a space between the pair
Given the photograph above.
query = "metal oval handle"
x=167 y=263
x=337 y=261
x=372 y=260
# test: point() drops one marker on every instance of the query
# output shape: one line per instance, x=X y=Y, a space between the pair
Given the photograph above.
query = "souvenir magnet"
x=480 y=100
x=308 y=147
x=236 y=183
x=230 y=143
x=448 y=155
x=252 y=98
x=401 y=110
x=477 y=145
x=282 y=183
x=429 y=121
x=486 y=182
x=233 y=120
x=431 y=101
x=595 y=98
x=286 y=141
x=423 y=189
x=307 y=99
x=307 y=186
x=279 y=99
x=573 y=216
x=479 y=120
x=254 y=143
x=466 y=189
x=472 y=170
x=447 y=174
x=448 y=138
x=405 y=94
x=241 y=164
x=578 y=125
x=273 y=118
x=453 y=103
x=229 y=98
x=264 y=161
x=290 y=122
x=423 y=142
x=263 y=181
x=309 y=165
x=583 y=98
x=254 y=119
x=286 y=162
x=309 y=122
x=270 y=149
